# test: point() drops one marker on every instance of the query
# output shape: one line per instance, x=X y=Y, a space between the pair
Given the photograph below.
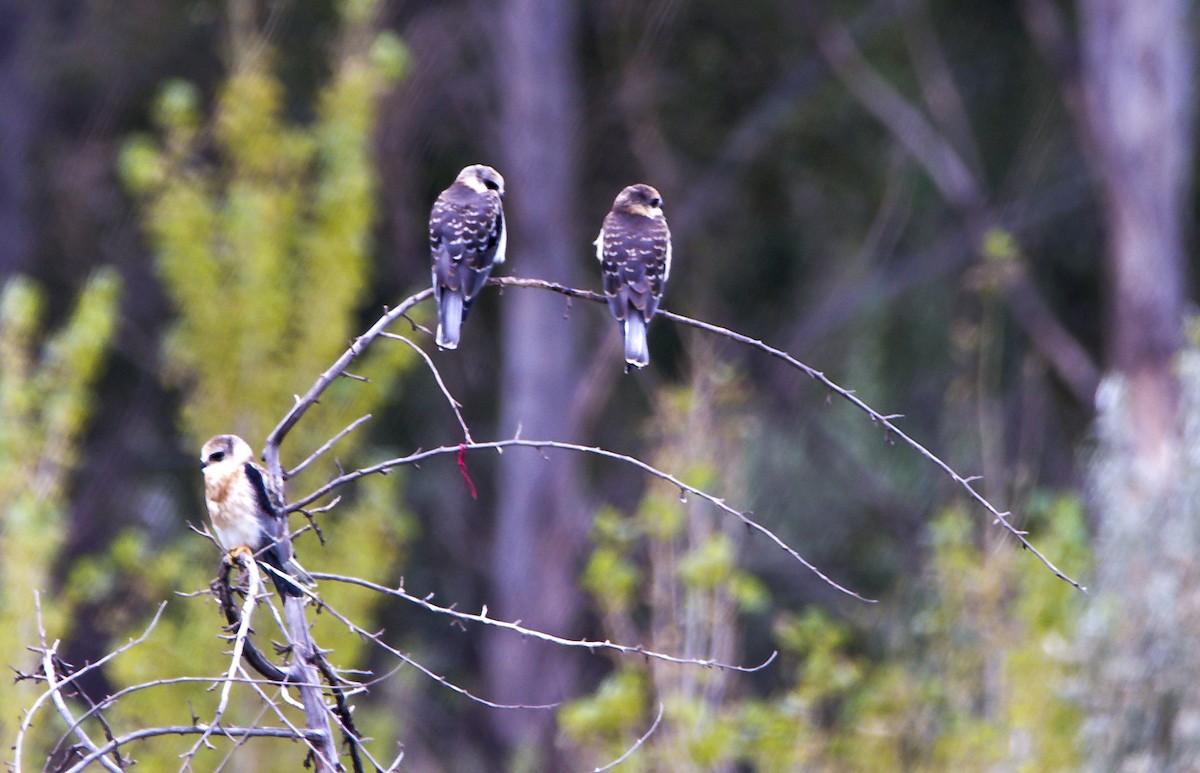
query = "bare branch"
x=483 y=618
x=816 y=375
x=540 y=445
x=226 y=732
x=51 y=693
x=316 y=713
x=376 y=639
x=48 y=668
x=883 y=421
x=357 y=347
x=636 y=745
x=328 y=444
x=455 y=405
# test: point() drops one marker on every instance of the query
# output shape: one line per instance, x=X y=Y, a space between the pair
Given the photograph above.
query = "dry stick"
x=882 y=420
x=328 y=444
x=316 y=714
x=253 y=591
x=636 y=746
x=443 y=681
x=483 y=618
x=63 y=709
x=226 y=732
x=357 y=347
x=51 y=693
x=455 y=405
x=383 y=467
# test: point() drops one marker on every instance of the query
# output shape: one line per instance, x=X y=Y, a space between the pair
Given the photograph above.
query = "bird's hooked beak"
x=203 y=464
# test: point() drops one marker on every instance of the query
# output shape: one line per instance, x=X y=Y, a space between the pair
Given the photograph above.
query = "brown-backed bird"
x=634 y=250
x=242 y=513
x=467 y=239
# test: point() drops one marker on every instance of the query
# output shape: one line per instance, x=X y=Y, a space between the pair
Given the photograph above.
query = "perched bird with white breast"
x=634 y=250
x=242 y=513
x=467 y=239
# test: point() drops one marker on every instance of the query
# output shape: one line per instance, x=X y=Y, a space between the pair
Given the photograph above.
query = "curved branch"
x=385 y=466
x=357 y=347
x=41 y=699
x=483 y=618
x=637 y=744
x=227 y=732
x=886 y=421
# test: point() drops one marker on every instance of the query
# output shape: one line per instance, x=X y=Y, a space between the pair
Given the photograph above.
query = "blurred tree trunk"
x=1144 y=695
x=539 y=521
x=19 y=109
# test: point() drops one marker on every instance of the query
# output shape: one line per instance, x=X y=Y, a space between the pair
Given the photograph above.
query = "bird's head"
x=481 y=179
x=224 y=453
x=640 y=199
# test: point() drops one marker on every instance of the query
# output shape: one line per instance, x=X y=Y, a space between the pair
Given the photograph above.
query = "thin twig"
x=999 y=516
x=443 y=681
x=540 y=445
x=253 y=591
x=226 y=732
x=455 y=405
x=288 y=475
x=41 y=699
x=636 y=746
x=586 y=644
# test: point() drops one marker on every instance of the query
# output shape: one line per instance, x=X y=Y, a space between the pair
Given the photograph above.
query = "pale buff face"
x=640 y=199
x=481 y=179
x=232 y=503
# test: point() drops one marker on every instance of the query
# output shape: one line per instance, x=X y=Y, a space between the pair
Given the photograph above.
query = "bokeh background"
x=972 y=213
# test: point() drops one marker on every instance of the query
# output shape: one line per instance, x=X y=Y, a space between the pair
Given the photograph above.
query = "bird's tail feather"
x=637 y=353
x=288 y=577
x=450 y=316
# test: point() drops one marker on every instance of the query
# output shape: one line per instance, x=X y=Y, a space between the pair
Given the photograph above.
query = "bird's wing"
x=634 y=253
x=466 y=238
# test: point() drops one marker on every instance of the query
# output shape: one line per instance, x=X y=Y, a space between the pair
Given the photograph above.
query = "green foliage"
x=262 y=233
x=976 y=676
x=678 y=558
x=265 y=253
x=46 y=384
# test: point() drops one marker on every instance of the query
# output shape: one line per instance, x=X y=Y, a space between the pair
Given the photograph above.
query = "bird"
x=467 y=239
x=243 y=516
x=634 y=250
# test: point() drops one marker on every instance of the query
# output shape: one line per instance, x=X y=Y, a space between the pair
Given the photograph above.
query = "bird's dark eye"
x=655 y=202
x=216 y=456
x=491 y=184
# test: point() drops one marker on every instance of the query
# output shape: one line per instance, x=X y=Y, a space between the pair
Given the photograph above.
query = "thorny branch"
x=516 y=627
x=307 y=660
x=885 y=421
x=540 y=445
x=55 y=690
x=637 y=744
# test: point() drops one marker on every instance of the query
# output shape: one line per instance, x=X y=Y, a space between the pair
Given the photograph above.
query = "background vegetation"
x=972 y=213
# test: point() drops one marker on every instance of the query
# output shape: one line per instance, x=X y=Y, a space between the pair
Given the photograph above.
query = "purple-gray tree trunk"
x=540 y=520
x=1143 y=694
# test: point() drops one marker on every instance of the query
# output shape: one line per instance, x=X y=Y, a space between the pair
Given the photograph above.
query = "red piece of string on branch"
x=462 y=465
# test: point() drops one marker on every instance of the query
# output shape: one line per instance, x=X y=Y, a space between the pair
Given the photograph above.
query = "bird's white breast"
x=233 y=508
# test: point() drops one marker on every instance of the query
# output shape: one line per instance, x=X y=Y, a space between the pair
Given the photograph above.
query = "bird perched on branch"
x=467 y=239
x=243 y=516
x=634 y=250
